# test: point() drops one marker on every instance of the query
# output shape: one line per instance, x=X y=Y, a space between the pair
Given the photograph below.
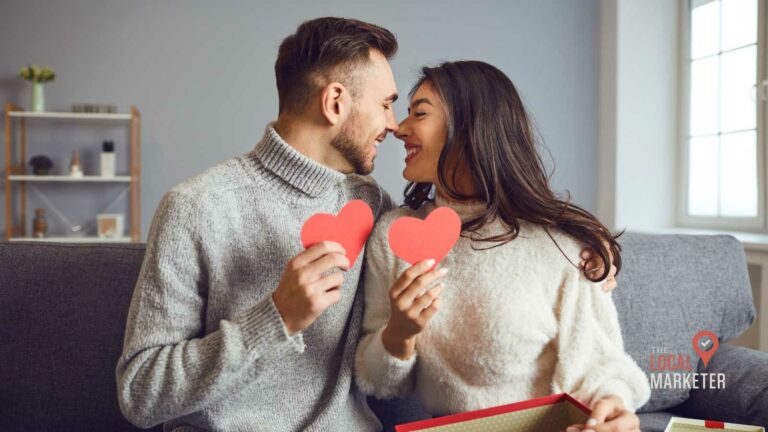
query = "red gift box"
x=679 y=424
x=544 y=414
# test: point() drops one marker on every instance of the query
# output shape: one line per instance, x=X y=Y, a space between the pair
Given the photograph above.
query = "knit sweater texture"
x=516 y=322
x=205 y=347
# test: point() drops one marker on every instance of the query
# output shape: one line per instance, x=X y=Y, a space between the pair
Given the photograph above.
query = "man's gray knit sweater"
x=205 y=347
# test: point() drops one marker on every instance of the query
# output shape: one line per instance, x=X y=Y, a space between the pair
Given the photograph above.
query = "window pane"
x=739 y=23
x=704 y=96
x=702 y=176
x=738 y=174
x=705 y=28
x=738 y=75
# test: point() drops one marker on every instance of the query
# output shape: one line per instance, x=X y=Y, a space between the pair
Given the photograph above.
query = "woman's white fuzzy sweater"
x=516 y=322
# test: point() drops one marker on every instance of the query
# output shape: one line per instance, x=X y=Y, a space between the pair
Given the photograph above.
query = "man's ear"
x=335 y=100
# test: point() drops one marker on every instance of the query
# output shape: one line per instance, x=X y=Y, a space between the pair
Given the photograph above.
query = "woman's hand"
x=410 y=310
x=592 y=264
x=609 y=415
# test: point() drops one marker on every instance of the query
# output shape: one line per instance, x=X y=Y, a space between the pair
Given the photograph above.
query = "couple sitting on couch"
x=233 y=327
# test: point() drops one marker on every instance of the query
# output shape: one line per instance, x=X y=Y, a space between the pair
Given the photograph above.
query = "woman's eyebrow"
x=420 y=101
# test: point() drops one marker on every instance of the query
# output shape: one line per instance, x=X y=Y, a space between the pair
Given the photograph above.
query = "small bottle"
x=74 y=167
x=39 y=224
x=108 y=159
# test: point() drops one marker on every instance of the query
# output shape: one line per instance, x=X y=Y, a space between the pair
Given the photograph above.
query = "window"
x=724 y=120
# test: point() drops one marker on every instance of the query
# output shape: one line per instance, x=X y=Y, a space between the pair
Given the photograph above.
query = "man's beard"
x=353 y=152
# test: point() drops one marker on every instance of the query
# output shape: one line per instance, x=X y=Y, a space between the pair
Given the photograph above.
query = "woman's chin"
x=408 y=174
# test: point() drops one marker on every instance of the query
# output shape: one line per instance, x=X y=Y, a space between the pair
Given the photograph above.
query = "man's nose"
x=392 y=125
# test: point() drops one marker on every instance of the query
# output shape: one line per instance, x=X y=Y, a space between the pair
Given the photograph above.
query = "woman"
x=517 y=318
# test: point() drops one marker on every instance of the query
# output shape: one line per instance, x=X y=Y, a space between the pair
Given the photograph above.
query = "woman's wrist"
x=402 y=348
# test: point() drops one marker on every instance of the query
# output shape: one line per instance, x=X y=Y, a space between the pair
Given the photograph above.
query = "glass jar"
x=39 y=224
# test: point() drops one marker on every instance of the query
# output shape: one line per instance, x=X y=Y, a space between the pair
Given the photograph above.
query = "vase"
x=38 y=99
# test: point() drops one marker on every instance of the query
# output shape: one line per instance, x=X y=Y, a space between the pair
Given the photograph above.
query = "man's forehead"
x=382 y=77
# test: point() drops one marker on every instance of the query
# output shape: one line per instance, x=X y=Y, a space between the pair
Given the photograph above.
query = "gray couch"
x=63 y=309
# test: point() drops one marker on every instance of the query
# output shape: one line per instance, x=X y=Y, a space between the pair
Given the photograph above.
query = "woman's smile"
x=411 y=151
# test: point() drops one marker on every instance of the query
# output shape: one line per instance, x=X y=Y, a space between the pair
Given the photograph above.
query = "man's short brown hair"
x=324 y=50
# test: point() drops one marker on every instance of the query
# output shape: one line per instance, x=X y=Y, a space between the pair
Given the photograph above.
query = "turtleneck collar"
x=305 y=174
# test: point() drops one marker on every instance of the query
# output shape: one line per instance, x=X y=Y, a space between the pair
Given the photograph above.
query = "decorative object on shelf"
x=41 y=165
x=37 y=76
x=74 y=166
x=108 y=159
x=94 y=108
x=110 y=225
x=39 y=224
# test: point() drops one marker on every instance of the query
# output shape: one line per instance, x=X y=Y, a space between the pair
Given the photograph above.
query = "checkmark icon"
x=705 y=343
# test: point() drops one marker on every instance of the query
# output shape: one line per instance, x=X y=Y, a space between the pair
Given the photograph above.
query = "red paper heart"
x=350 y=228
x=415 y=240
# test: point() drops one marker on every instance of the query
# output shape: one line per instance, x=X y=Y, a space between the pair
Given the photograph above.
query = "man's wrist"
x=288 y=328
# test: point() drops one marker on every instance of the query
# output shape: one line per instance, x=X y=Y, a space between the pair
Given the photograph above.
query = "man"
x=232 y=326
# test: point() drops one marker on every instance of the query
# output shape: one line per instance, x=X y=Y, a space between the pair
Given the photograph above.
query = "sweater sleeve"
x=168 y=367
x=379 y=373
x=592 y=363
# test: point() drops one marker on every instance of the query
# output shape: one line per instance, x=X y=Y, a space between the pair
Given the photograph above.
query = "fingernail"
x=572 y=429
x=591 y=422
x=443 y=271
x=588 y=430
x=430 y=262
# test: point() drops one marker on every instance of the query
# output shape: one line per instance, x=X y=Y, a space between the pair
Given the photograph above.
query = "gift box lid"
x=548 y=413
x=679 y=424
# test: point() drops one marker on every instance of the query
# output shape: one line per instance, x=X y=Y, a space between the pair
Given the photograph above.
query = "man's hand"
x=411 y=308
x=609 y=415
x=592 y=264
x=304 y=292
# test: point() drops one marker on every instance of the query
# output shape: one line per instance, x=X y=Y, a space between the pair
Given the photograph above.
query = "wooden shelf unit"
x=17 y=173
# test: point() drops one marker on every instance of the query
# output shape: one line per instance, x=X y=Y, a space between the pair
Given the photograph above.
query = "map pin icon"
x=705 y=343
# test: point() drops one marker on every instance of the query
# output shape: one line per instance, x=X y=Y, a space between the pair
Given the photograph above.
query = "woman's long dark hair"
x=489 y=131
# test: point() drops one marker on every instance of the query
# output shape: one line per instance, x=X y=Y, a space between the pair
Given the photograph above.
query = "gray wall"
x=201 y=74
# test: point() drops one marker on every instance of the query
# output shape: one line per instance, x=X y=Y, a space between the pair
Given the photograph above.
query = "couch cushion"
x=744 y=399
x=673 y=286
x=63 y=309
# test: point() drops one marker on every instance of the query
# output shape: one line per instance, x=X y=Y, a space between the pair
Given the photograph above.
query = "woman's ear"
x=335 y=100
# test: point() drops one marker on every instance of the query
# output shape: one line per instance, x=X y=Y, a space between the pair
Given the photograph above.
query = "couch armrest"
x=745 y=396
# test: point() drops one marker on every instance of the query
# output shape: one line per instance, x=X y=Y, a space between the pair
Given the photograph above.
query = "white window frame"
x=755 y=224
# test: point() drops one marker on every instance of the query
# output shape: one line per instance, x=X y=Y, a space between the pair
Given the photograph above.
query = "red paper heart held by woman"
x=415 y=240
x=350 y=228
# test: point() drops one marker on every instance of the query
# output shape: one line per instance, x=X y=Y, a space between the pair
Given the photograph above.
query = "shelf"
x=90 y=239
x=16 y=204
x=65 y=178
x=71 y=115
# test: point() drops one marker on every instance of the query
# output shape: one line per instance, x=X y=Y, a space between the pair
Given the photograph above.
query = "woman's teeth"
x=412 y=151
